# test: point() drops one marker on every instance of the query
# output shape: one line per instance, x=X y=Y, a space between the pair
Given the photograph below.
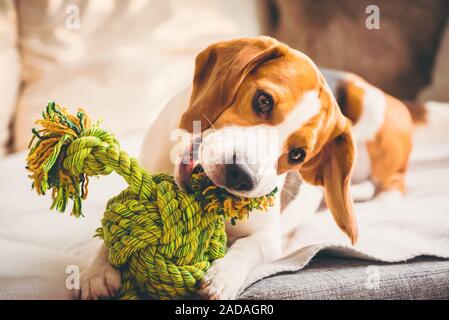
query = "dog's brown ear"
x=332 y=166
x=219 y=71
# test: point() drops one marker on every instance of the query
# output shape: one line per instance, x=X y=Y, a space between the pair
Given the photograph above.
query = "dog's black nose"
x=238 y=178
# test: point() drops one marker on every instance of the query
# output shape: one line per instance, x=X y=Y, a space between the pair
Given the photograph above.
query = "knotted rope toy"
x=162 y=238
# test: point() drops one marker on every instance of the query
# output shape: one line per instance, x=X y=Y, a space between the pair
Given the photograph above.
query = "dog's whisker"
x=289 y=192
x=211 y=124
x=286 y=189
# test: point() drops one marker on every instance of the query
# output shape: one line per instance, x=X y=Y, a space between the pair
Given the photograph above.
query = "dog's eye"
x=296 y=155
x=263 y=102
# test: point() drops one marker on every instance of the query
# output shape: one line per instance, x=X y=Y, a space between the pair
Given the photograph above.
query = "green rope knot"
x=162 y=239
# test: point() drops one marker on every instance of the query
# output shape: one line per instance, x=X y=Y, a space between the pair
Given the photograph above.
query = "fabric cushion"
x=10 y=68
x=329 y=277
x=438 y=90
x=397 y=58
x=122 y=62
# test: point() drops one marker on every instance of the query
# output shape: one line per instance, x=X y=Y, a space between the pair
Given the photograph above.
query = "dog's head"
x=265 y=109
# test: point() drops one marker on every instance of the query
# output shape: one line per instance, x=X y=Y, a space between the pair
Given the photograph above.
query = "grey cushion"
x=330 y=277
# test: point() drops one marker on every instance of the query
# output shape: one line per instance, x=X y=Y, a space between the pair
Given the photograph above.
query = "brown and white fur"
x=382 y=127
x=305 y=115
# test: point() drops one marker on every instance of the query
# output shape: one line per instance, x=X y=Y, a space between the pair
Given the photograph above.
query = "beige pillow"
x=10 y=68
x=438 y=90
x=122 y=63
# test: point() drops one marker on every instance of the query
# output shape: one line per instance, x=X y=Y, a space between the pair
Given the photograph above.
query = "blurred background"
x=123 y=59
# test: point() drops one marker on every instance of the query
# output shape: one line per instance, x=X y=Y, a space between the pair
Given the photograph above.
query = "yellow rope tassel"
x=160 y=237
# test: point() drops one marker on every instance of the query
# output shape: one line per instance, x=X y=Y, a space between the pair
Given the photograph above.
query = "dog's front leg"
x=225 y=277
x=100 y=279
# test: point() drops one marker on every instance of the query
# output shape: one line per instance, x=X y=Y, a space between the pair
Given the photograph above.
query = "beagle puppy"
x=256 y=111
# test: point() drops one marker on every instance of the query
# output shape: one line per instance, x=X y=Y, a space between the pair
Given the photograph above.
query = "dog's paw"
x=222 y=281
x=98 y=281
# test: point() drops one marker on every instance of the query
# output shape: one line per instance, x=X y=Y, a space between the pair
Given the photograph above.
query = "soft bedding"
x=38 y=246
x=330 y=277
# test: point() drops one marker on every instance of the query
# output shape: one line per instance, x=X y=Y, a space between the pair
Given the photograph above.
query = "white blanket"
x=38 y=246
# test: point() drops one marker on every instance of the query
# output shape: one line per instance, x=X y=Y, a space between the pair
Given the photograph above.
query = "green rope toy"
x=161 y=238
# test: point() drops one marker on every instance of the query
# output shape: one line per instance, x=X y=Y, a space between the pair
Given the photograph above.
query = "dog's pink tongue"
x=189 y=163
x=186 y=169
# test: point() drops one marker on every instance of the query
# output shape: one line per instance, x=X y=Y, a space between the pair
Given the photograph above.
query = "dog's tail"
x=418 y=111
